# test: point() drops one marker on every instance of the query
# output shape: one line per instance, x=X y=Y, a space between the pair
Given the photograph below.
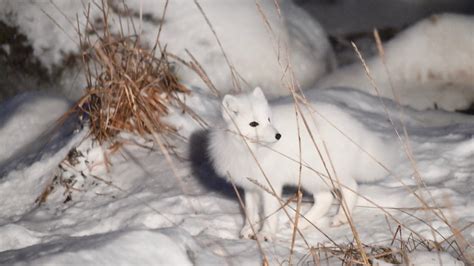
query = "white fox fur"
x=253 y=131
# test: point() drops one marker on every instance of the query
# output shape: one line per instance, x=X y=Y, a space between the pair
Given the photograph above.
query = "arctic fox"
x=258 y=148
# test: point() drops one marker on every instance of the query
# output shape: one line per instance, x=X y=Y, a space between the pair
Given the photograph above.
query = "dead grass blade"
x=293 y=85
x=405 y=141
x=232 y=69
x=130 y=90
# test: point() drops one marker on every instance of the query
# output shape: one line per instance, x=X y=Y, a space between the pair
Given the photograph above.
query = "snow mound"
x=33 y=144
x=33 y=114
x=140 y=247
x=431 y=65
x=16 y=237
x=260 y=57
x=258 y=42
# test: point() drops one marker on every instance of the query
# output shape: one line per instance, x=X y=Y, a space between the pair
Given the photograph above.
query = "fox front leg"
x=271 y=204
x=252 y=218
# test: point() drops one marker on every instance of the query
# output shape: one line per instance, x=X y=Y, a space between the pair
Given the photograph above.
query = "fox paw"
x=247 y=232
x=302 y=225
x=265 y=236
x=338 y=220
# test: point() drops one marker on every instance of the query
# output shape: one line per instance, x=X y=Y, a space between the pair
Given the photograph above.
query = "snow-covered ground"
x=147 y=210
x=141 y=212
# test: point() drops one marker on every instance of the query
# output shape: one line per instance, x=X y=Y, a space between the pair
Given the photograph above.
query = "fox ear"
x=230 y=104
x=258 y=93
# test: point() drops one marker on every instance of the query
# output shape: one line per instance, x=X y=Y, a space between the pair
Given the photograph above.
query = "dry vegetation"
x=129 y=90
x=357 y=252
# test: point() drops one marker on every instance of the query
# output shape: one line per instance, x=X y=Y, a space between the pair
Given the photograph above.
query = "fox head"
x=250 y=115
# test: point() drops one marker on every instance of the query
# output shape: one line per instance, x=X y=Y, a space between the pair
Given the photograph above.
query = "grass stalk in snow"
x=436 y=210
x=464 y=244
x=292 y=85
x=287 y=69
x=136 y=106
x=232 y=69
x=406 y=143
x=252 y=226
x=129 y=89
x=268 y=186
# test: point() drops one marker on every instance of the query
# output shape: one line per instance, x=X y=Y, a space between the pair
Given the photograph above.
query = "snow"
x=142 y=211
x=258 y=55
x=33 y=115
x=431 y=64
x=31 y=148
x=32 y=19
x=149 y=216
x=125 y=248
x=258 y=44
x=431 y=258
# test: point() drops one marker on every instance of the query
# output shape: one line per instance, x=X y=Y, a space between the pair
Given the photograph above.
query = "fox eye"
x=269 y=120
x=253 y=124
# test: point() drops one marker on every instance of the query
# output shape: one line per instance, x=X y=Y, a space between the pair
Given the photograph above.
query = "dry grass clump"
x=129 y=89
x=398 y=252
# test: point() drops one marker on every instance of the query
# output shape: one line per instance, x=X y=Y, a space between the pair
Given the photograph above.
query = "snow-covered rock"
x=56 y=18
x=258 y=42
x=431 y=63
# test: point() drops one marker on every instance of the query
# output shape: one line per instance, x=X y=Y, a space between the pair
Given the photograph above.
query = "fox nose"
x=278 y=136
